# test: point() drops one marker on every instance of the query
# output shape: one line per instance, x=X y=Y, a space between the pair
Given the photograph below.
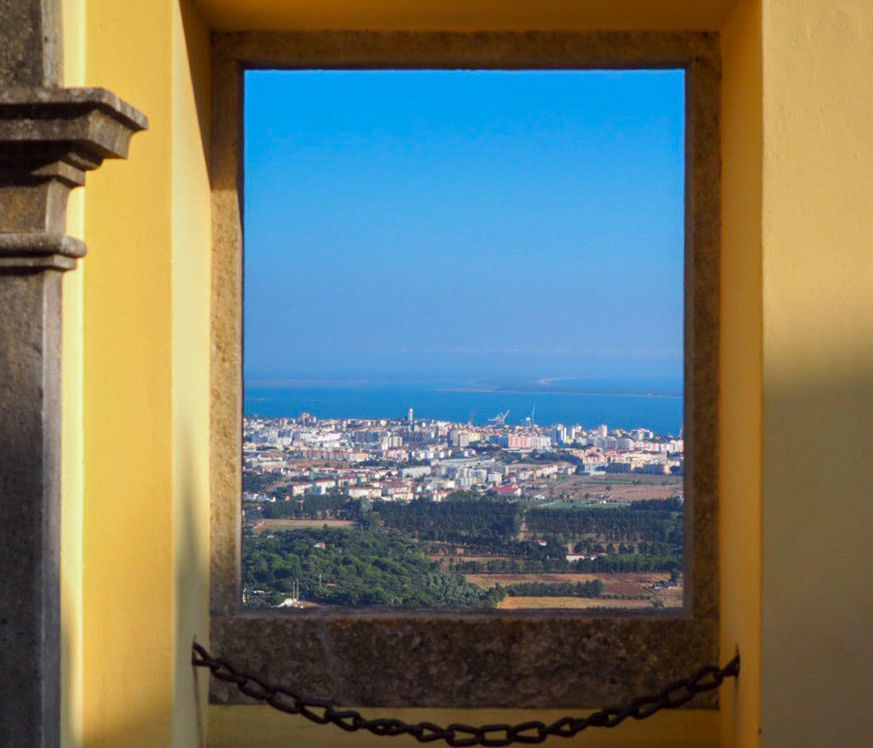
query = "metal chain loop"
x=322 y=712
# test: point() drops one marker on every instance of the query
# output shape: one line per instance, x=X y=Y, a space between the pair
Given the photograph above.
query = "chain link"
x=322 y=712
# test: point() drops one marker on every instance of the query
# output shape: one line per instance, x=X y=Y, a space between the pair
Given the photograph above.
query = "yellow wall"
x=462 y=15
x=797 y=367
x=818 y=372
x=128 y=527
x=136 y=353
x=72 y=442
x=191 y=279
x=262 y=727
x=740 y=376
x=143 y=346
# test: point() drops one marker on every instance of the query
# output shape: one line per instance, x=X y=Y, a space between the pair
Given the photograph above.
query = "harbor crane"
x=500 y=418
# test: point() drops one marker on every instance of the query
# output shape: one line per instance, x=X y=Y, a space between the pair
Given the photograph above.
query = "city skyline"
x=419 y=513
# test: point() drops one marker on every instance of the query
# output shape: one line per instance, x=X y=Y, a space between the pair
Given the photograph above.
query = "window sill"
x=465 y=660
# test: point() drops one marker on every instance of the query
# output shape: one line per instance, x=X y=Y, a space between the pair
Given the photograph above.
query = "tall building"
x=459 y=439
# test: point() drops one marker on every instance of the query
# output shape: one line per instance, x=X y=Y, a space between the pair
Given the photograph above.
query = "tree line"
x=614 y=524
x=457 y=521
x=310 y=506
x=614 y=564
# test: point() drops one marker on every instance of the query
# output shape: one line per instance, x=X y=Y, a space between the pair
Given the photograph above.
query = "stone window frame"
x=484 y=658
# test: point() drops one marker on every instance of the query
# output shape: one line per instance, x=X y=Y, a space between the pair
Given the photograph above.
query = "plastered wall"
x=128 y=447
x=461 y=15
x=72 y=436
x=136 y=353
x=138 y=594
x=818 y=372
x=191 y=277
x=740 y=454
x=797 y=399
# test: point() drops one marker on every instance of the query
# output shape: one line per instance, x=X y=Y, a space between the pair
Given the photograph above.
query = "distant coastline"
x=655 y=386
x=620 y=405
x=560 y=391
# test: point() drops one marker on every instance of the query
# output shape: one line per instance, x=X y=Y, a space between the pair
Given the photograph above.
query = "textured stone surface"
x=30 y=43
x=90 y=119
x=501 y=659
x=484 y=49
x=226 y=322
x=702 y=305
x=472 y=660
x=39 y=250
x=29 y=507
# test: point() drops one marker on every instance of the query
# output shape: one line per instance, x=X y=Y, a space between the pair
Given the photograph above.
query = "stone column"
x=49 y=138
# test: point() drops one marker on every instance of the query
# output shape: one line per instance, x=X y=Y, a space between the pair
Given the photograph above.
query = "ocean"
x=626 y=405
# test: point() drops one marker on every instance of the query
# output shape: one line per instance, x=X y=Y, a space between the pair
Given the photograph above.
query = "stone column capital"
x=49 y=138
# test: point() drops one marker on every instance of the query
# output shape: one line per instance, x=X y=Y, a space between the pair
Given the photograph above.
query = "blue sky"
x=504 y=225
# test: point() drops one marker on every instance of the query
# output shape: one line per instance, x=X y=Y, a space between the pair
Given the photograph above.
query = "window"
x=487 y=657
x=463 y=339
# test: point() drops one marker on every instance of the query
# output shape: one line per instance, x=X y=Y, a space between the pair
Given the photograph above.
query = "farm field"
x=671 y=597
x=615 y=487
x=613 y=584
x=569 y=603
x=446 y=561
x=265 y=525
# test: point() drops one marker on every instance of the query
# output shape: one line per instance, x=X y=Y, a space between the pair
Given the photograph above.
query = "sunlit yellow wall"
x=191 y=341
x=740 y=382
x=128 y=526
x=142 y=432
x=72 y=443
x=818 y=372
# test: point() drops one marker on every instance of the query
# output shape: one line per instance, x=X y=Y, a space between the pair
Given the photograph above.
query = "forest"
x=457 y=521
x=415 y=554
x=620 y=524
x=360 y=567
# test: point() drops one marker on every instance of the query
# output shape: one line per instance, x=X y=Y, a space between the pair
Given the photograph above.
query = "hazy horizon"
x=667 y=384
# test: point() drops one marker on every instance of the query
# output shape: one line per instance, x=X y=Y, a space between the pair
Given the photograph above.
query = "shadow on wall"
x=817 y=551
x=235 y=726
x=191 y=688
x=197 y=45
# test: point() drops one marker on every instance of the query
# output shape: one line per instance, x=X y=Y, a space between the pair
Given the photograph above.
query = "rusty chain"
x=322 y=712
